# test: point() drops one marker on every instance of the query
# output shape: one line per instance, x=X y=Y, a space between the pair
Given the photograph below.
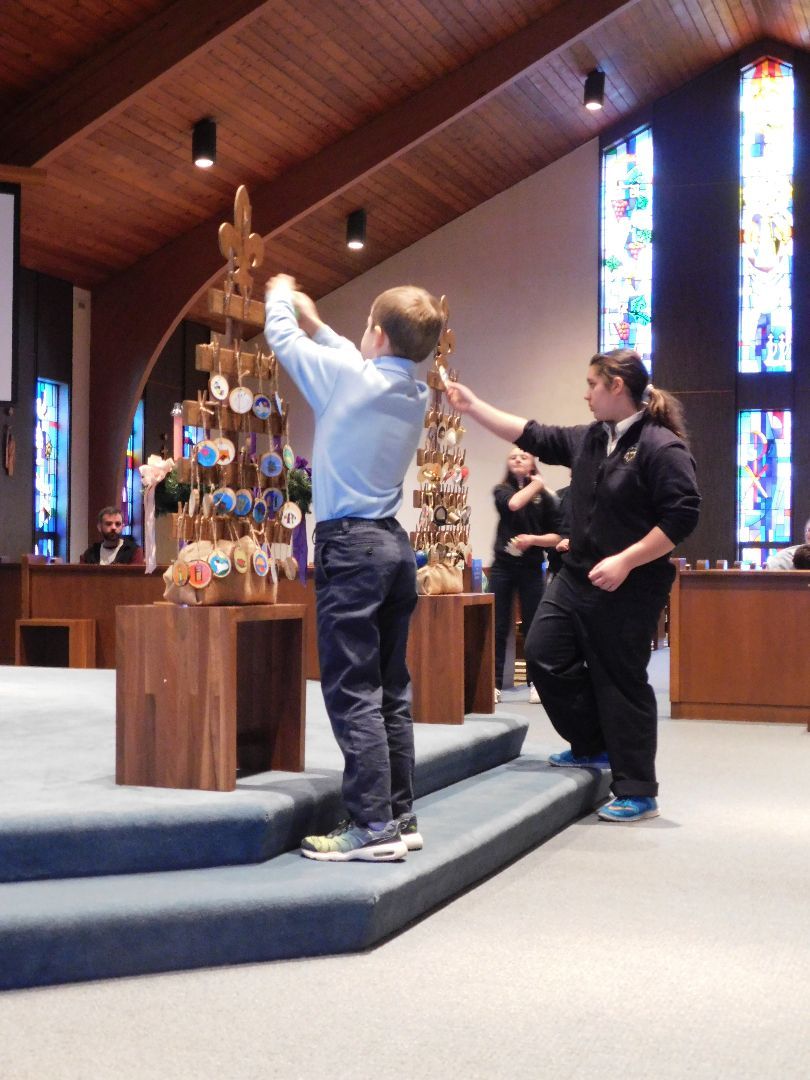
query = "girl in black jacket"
x=633 y=497
x=527 y=524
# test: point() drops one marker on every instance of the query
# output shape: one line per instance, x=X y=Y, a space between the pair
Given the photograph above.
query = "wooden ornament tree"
x=443 y=530
x=254 y=458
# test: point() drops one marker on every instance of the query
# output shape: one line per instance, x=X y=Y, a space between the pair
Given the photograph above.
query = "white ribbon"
x=155 y=470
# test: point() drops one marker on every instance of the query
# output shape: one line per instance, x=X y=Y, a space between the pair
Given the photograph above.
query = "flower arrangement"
x=169 y=492
x=299 y=484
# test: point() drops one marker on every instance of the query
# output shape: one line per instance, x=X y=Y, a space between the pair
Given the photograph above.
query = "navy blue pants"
x=365 y=589
x=590 y=650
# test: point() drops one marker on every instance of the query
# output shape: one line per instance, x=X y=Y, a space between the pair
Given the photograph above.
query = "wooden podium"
x=451 y=657
x=204 y=691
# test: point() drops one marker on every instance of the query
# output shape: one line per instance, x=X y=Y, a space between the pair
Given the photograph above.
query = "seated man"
x=113 y=547
x=783 y=559
x=801 y=557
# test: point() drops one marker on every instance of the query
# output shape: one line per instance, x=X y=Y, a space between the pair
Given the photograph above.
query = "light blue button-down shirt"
x=369 y=415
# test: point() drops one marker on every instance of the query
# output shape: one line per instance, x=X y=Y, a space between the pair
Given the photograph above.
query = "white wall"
x=520 y=274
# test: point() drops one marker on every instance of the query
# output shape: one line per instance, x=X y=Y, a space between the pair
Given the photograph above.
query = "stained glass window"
x=47 y=448
x=766 y=216
x=627 y=187
x=763 y=482
x=191 y=436
x=131 y=497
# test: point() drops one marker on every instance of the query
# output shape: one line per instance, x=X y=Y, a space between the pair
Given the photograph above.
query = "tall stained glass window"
x=131 y=497
x=47 y=449
x=763 y=483
x=627 y=188
x=766 y=216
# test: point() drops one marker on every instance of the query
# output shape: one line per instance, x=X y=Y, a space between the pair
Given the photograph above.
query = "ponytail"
x=665 y=410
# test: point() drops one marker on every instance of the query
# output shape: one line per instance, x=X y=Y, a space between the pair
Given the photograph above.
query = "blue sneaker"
x=628 y=810
x=569 y=760
x=351 y=841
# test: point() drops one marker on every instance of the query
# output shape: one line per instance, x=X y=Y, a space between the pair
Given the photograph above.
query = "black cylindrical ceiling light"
x=594 y=90
x=356 y=230
x=204 y=143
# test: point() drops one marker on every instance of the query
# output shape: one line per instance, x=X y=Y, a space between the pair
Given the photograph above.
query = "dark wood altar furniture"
x=451 y=657
x=739 y=645
x=34 y=589
x=451 y=652
x=204 y=691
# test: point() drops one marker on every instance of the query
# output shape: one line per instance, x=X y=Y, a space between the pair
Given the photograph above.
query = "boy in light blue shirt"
x=369 y=415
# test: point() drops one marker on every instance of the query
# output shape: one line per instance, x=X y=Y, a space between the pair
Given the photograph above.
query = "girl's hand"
x=523 y=541
x=460 y=396
x=609 y=573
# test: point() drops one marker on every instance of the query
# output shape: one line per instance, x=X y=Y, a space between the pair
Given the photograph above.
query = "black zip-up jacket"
x=614 y=501
x=125 y=553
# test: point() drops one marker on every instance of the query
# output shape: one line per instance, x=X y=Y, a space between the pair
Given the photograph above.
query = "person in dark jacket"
x=527 y=525
x=633 y=497
x=113 y=547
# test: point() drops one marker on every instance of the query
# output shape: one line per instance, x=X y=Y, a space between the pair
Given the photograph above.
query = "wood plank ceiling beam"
x=134 y=313
x=88 y=95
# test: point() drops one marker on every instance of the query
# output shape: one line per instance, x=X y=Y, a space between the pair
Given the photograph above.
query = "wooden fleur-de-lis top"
x=237 y=242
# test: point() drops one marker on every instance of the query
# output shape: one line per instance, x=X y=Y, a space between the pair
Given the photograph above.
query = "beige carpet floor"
x=675 y=948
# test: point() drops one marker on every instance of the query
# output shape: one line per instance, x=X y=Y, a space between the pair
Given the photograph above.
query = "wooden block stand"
x=55 y=642
x=203 y=691
x=451 y=657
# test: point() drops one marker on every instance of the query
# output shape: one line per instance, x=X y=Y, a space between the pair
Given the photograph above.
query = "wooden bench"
x=55 y=642
x=202 y=692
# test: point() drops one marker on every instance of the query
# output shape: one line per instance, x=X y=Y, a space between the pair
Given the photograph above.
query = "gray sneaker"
x=409 y=831
x=351 y=841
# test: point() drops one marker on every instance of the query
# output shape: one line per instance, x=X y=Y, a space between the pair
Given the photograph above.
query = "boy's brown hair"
x=801 y=557
x=411 y=318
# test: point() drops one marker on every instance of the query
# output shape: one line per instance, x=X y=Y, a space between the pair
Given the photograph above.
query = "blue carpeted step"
x=83 y=825
x=69 y=930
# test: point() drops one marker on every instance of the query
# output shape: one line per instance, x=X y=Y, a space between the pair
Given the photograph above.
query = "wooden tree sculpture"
x=239 y=467
x=442 y=536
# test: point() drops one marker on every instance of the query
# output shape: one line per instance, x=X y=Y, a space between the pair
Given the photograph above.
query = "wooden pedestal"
x=203 y=691
x=55 y=642
x=451 y=657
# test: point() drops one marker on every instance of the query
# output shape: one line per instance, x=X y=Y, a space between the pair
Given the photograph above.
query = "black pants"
x=590 y=650
x=365 y=582
x=509 y=575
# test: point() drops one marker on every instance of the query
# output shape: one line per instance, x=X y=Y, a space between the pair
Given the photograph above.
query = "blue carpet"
x=62 y=814
x=69 y=930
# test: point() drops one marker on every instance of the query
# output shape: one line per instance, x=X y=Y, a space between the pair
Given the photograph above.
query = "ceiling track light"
x=356 y=230
x=204 y=143
x=594 y=90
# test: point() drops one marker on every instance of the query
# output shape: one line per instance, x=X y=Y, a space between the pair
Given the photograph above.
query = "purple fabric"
x=300 y=550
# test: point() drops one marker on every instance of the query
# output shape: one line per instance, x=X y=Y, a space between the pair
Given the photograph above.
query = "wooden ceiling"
x=417 y=110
